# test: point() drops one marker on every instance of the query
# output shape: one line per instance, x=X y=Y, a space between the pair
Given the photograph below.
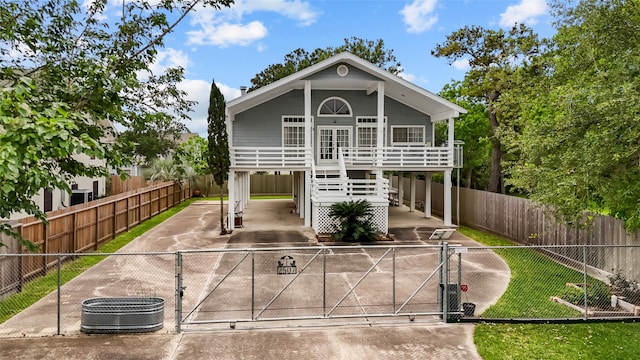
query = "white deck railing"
x=335 y=190
x=271 y=157
x=387 y=157
x=400 y=156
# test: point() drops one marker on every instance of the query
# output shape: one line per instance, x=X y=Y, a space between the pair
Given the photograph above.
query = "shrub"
x=598 y=295
x=624 y=287
x=355 y=221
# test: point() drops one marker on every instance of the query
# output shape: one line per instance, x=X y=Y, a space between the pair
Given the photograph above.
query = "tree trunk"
x=469 y=176
x=223 y=230
x=496 y=158
x=496 y=150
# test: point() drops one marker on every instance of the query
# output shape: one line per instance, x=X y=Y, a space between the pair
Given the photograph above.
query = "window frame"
x=409 y=143
x=350 y=114
x=299 y=124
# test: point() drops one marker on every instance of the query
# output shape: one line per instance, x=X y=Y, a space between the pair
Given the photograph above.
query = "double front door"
x=330 y=139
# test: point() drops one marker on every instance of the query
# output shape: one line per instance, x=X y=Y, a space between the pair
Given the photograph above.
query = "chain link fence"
x=507 y=283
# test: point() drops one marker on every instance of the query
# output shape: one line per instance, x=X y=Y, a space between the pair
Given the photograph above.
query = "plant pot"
x=197 y=193
x=468 y=308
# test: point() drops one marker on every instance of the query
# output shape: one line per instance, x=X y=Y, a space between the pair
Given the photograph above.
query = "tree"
x=218 y=157
x=581 y=142
x=153 y=138
x=372 y=51
x=493 y=57
x=70 y=73
x=355 y=218
x=473 y=128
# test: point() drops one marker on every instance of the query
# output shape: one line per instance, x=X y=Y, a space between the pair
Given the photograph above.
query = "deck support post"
x=447 y=198
x=412 y=182
x=427 y=194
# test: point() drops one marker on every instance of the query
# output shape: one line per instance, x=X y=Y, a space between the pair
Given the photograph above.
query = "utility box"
x=81 y=196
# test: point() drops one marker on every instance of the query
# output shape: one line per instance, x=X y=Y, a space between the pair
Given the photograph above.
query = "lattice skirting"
x=323 y=224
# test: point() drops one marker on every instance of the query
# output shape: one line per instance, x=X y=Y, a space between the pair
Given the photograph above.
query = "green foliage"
x=493 y=56
x=194 y=153
x=218 y=143
x=218 y=157
x=355 y=218
x=621 y=286
x=165 y=170
x=157 y=136
x=580 y=143
x=372 y=51
x=473 y=128
x=598 y=295
x=69 y=75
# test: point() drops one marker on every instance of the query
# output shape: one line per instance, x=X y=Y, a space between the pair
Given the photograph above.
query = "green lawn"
x=536 y=277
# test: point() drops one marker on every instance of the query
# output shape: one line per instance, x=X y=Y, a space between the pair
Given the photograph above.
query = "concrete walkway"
x=196 y=227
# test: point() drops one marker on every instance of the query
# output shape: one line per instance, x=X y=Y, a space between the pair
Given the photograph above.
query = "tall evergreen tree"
x=218 y=157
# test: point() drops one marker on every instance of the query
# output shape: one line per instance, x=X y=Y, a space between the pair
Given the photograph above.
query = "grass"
x=536 y=276
x=36 y=289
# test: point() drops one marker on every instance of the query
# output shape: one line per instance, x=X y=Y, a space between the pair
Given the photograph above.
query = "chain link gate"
x=230 y=286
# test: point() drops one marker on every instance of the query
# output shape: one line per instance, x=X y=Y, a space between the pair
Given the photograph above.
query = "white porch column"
x=307 y=198
x=307 y=115
x=427 y=194
x=380 y=127
x=247 y=192
x=231 y=199
x=301 y=196
x=412 y=182
x=447 y=198
x=450 y=140
x=401 y=188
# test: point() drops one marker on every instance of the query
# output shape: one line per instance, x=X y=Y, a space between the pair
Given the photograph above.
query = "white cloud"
x=418 y=16
x=225 y=27
x=226 y=34
x=461 y=64
x=169 y=58
x=526 y=12
x=198 y=90
x=406 y=76
x=300 y=11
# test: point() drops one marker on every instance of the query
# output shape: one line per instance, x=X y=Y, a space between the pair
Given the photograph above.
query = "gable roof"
x=396 y=88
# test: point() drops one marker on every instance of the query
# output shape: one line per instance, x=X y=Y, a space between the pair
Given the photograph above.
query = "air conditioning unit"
x=81 y=196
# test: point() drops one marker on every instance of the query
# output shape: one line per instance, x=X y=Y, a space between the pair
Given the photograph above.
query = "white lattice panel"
x=324 y=224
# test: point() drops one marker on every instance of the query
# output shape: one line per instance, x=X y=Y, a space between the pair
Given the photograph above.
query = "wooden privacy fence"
x=83 y=228
x=119 y=186
x=260 y=184
x=528 y=224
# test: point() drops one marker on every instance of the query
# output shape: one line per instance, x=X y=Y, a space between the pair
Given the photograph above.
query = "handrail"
x=341 y=164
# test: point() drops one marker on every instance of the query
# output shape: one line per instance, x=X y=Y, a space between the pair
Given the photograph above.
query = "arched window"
x=334 y=106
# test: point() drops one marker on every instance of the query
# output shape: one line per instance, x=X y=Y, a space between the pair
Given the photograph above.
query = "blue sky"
x=232 y=45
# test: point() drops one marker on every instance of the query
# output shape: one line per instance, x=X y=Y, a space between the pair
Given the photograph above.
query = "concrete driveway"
x=196 y=228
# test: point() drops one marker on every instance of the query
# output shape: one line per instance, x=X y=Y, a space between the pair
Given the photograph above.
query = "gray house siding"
x=262 y=125
x=331 y=73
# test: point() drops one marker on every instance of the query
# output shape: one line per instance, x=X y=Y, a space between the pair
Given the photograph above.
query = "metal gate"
x=229 y=286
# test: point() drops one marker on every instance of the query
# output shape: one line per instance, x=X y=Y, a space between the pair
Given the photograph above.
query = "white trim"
x=335 y=115
x=393 y=143
x=318 y=143
x=342 y=70
x=370 y=125
x=298 y=124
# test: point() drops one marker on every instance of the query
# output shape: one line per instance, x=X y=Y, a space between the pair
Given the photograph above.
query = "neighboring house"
x=339 y=126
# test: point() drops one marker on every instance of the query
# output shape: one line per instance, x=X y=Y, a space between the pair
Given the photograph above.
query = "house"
x=338 y=126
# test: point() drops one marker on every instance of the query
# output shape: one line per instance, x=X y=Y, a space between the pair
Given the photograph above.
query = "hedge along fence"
x=82 y=228
x=521 y=220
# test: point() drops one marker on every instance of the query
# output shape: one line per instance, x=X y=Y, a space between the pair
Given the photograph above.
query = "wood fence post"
x=74 y=233
x=97 y=232
x=115 y=208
